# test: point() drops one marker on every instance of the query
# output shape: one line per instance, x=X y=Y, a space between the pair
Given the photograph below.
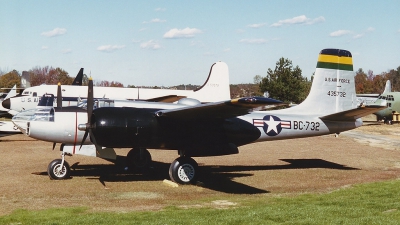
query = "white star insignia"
x=272 y=124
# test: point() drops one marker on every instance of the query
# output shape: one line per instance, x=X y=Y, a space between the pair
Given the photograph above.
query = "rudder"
x=216 y=88
x=333 y=87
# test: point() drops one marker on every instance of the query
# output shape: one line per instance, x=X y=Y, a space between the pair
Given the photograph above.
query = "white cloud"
x=156 y=20
x=66 y=51
x=110 y=48
x=254 y=41
x=357 y=36
x=160 y=9
x=339 y=33
x=182 y=33
x=298 y=20
x=55 y=32
x=370 y=29
x=256 y=25
x=150 y=45
x=240 y=31
x=227 y=50
x=45 y=47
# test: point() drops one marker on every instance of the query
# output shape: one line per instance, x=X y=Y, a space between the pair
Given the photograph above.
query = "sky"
x=167 y=43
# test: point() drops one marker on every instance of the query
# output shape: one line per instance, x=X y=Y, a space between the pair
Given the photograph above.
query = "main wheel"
x=183 y=170
x=138 y=157
x=56 y=172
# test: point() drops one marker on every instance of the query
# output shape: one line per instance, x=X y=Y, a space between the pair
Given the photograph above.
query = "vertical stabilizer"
x=333 y=87
x=388 y=87
x=12 y=93
x=78 y=79
x=216 y=87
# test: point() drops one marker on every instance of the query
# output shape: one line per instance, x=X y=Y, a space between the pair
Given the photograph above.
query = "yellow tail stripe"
x=335 y=59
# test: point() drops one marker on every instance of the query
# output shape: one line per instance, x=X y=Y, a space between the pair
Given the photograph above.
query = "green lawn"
x=376 y=203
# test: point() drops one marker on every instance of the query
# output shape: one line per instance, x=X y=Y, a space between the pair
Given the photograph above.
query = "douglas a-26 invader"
x=198 y=130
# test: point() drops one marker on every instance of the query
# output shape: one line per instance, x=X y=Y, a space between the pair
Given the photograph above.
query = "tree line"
x=285 y=82
x=48 y=75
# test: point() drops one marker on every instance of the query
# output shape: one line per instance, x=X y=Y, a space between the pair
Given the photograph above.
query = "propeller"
x=90 y=102
x=59 y=95
x=59 y=102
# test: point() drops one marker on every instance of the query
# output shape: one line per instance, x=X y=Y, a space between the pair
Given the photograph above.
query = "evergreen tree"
x=285 y=82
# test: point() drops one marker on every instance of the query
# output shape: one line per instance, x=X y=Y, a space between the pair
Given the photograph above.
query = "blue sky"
x=167 y=43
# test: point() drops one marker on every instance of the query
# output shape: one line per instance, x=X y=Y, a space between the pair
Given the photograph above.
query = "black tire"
x=139 y=158
x=183 y=170
x=53 y=170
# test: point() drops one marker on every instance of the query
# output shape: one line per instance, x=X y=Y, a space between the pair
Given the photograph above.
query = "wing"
x=218 y=110
x=166 y=98
x=353 y=114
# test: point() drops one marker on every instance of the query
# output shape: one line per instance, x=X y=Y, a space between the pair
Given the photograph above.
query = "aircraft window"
x=25 y=115
x=46 y=114
x=34 y=94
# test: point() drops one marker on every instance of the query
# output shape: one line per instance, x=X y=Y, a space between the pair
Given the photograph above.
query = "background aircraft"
x=371 y=98
x=211 y=129
x=216 y=88
x=392 y=100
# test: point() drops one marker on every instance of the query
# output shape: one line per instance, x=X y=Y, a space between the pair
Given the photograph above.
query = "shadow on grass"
x=218 y=178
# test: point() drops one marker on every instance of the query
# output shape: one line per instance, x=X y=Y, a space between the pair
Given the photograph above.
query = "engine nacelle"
x=123 y=127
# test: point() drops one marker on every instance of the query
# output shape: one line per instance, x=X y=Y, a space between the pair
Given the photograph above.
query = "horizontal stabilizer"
x=218 y=110
x=353 y=114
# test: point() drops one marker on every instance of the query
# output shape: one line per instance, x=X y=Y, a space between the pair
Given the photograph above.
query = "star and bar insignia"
x=272 y=125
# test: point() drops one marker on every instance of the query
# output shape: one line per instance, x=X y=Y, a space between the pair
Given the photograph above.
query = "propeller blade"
x=89 y=106
x=84 y=138
x=92 y=138
x=54 y=145
x=59 y=95
x=90 y=100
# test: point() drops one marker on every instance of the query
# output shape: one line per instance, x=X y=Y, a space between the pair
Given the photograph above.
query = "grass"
x=375 y=203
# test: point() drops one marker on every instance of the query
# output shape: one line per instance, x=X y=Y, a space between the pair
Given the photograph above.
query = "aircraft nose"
x=6 y=103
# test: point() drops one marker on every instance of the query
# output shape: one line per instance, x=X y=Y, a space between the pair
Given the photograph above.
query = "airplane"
x=23 y=103
x=216 y=88
x=200 y=130
x=371 y=98
x=393 y=106
x=11 y=93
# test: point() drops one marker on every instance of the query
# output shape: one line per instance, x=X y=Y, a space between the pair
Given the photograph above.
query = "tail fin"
x=216 y=88
x=388 y=87
x=333 y=87
x=78 y=79
x=12 y=93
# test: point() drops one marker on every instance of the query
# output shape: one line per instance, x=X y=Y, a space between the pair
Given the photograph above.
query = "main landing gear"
x=183 y=170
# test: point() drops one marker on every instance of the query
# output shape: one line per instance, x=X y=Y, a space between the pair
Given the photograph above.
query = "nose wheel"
x=58 y=169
